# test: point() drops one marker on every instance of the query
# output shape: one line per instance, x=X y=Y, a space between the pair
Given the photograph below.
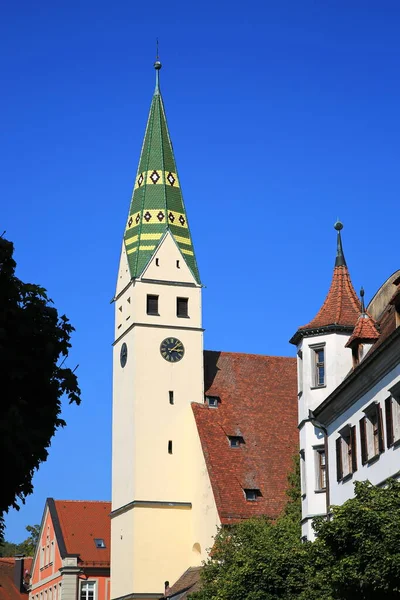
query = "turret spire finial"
x=362 y=301
x=157 y=66
x=340 y=259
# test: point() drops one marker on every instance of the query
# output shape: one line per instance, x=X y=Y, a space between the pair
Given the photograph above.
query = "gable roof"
x=258 y=402
x=341 y=307
x=8 y=589
x=157 y=201
x=77 y=524
x=364 y=331
x=187 y=584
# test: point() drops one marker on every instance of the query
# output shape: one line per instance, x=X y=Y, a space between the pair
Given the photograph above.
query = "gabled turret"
x=157 y=203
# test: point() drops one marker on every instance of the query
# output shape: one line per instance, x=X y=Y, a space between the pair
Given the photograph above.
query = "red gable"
x=258 y=403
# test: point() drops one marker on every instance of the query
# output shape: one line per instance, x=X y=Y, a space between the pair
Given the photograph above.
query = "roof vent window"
x=252 y=495
x=212 y=401
x=99 y=542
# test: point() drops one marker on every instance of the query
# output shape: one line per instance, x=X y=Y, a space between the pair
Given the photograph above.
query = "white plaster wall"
x=338 y=363
x=154 y=544
x=389 y=461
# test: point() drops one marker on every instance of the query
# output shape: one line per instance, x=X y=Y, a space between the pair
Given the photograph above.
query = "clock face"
x=123 y=357
x=172 y=349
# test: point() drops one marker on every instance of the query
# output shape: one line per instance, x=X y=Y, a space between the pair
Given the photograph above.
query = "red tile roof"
x=8 y=589
x=364 y=331
x=80 y=523
x=258 y=401
x=188 y=583
x=341 y=306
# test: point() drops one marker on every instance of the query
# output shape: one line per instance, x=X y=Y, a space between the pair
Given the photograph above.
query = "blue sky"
x=283 y=115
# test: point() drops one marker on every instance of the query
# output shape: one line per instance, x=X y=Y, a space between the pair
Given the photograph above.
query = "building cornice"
x=375 y=366
x=314 y=331
x=155 y=325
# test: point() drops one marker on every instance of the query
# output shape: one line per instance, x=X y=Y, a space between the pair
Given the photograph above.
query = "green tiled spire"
x=157 y=202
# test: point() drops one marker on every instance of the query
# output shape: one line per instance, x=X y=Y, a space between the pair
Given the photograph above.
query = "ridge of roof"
x=157 y=204
x=250 y=354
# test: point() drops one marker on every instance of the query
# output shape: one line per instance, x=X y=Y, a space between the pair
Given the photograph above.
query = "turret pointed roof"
x=341 y=308
x=157 y=203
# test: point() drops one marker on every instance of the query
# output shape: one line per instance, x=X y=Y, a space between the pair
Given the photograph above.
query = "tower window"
x=157 y=262
x=212 y=401
x=252 y=494
x=152 y=305
x=177 y=264
x=171 y=397
x=182 y=307
x=320 y=470
x=318 y=356
x=235 y=441
x=170 y=447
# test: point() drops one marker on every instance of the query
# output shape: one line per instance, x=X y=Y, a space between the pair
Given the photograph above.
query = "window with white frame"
x=318 y=365
x=320 y=468
x=87 y=590
x=392 y=414
x=346 y=452
x=371 y=433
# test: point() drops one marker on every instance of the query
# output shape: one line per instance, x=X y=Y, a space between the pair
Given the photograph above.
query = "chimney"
x=18 y=571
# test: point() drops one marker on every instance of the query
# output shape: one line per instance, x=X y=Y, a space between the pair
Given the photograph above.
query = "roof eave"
x=321 y=330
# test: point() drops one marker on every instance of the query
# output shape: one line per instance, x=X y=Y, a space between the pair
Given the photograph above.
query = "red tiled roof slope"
x=81 y=522
x=341 y=306
x=364 y=331
x=8 y=589
x=188 y=583
x=259 y=403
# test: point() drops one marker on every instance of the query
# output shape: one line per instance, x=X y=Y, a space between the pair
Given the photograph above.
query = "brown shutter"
x=363 y=436
x=339 y=467
x=353 y=442
x=389 y=421
x=381 y=441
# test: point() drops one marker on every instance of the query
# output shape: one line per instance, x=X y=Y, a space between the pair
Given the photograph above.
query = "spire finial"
x=157 y=66
x=340 y=259
x=362 y=300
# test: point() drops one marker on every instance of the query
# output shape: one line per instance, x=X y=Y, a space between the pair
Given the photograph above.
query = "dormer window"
x=235 y=441
x=252 y=494
x=99 y=543
x=212 y=401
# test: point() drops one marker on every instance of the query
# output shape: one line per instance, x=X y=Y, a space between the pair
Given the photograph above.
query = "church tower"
x=160 y=484
x=323 y=361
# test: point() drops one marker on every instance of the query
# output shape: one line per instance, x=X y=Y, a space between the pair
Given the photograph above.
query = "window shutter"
x=389 y=421
x=339 y=467
x=353 y=441
x=363 y=436
x=381 y=441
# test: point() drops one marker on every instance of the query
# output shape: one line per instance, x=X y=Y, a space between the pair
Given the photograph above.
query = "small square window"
x=252 y=494
x=99 y=542
x=212 y=401
x=152 y=305
x=182 y=307
x=235 y=441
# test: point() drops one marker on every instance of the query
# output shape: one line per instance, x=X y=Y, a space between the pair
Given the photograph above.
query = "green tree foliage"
x=27 y=547
x=33 y=339
x=357 y=553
